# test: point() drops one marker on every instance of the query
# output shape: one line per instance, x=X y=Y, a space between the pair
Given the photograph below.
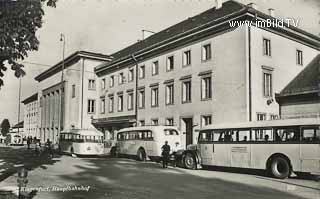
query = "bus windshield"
x=170 y=132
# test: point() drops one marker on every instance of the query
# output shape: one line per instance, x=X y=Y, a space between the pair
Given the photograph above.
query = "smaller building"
x=301 y=97
x=17 y=128
x=31 y=116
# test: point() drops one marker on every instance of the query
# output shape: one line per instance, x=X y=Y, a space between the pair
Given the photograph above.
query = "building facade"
x=31 y=116
x=301 y=97
x=203 y=71
x=68 y=102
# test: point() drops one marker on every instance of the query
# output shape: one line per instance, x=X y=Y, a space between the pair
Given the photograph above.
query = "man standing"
x=165 y=154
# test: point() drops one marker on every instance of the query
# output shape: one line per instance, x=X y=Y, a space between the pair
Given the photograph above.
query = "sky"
x=106 y=26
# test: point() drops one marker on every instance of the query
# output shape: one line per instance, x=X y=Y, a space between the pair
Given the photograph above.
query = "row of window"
x=267 y=51
x=186 y=60
x=279 y=134
x=206 y=94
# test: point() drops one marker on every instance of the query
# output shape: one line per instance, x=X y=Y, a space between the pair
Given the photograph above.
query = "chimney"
x=271 y=12
x=253 y=5
x=218 y=4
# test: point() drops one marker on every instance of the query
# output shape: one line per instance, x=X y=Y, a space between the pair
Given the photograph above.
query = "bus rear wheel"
x=141 y=155
x=189 y=161
x=280 y=168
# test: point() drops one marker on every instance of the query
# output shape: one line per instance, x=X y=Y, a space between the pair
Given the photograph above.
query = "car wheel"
x=189 y=161
x=280 y=168
x=141 y=155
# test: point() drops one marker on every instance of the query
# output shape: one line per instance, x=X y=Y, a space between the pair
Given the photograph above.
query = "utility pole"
x=19 y=101
x=62 y=39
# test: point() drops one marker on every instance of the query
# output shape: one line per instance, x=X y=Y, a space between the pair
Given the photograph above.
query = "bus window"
x=287 y=134
x=310 y=135
x=243 y=135
x=148 y=135
x=264 y=135
x=206 y=136
x=170 y=132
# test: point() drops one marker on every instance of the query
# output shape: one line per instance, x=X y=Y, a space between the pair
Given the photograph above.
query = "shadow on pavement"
x=123 y=178
x=13 y=158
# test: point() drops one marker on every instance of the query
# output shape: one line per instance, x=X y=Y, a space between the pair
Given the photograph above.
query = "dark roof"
x=207 y=18
x=307 y=81
x=19 y=125
x=71 y=59
x=32 y=98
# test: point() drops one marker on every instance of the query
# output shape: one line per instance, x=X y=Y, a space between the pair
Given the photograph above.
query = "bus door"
x=221 y=154
x=310 y=149
x=240 y=149
x=149 y=142
x=206 y=146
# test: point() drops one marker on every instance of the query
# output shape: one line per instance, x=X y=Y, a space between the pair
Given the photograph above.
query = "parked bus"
x=81 y=142
x=14 y=139
x=280 y=146
x=145 y=142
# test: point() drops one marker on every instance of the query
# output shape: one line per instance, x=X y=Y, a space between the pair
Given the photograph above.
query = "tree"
x=19 y=22
x=5 y=127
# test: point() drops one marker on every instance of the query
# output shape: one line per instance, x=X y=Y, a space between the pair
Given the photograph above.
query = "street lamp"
x=143 y=31
x=62 y=39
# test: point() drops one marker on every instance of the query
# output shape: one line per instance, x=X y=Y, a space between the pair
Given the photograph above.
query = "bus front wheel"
x=189 y=161
x=141 y=155
x=280 y=168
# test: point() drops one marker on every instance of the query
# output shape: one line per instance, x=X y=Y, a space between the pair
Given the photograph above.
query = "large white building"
x=204 y=70
x=79 y=94
x=31 y=116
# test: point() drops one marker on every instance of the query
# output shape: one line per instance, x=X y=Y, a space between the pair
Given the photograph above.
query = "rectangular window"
x=169 y=121
x=111 y=81
x=186 y=58
x=261 y=116
x=131 y=75
x=103 y=105
x=299 y=58
x=186 y=91
x=121 y=78
x=103 y=83
x=267 y=84
x=142 y=122
x=130 y=101
x=120 y=102
x=170 y=63
x=169 y=94
x=154 y=97
x=141 y=98
x=73 y=91
x=155 y=68
x=155 y=122
x=111 y=103
x=92 y=84
x=91 y=106
x=266 y=47
x=274 y=117
x=206 y=88
x=206 y=120
x=206 y=52
x=142 y=72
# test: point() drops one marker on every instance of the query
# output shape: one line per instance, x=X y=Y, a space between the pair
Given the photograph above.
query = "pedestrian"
x=28 y=142
x=49 y=148
x=165 y=154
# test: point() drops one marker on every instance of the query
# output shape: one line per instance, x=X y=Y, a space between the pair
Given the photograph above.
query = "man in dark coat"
x=165 y=154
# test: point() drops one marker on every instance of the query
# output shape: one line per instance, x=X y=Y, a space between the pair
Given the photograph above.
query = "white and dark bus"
x=145 y=142
x=278 y=146
x=81 y=142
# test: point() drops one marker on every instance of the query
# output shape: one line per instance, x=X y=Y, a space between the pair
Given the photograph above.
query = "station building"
x=203 y=71
x=78 y=103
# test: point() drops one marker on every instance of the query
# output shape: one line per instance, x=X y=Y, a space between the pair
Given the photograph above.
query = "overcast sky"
x=106 y=26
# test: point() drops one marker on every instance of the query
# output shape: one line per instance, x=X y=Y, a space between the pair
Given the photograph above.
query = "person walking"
x=28 y=142
x=165 y=154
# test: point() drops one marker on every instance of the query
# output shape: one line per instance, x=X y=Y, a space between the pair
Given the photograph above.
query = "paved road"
x=124 y=178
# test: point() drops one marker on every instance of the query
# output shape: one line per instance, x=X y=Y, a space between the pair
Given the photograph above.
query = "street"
x=126 y=178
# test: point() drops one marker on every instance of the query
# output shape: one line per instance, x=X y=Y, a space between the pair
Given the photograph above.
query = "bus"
x=145 y=142
x=14 y=139
x=81 y=142
x=278 y=146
